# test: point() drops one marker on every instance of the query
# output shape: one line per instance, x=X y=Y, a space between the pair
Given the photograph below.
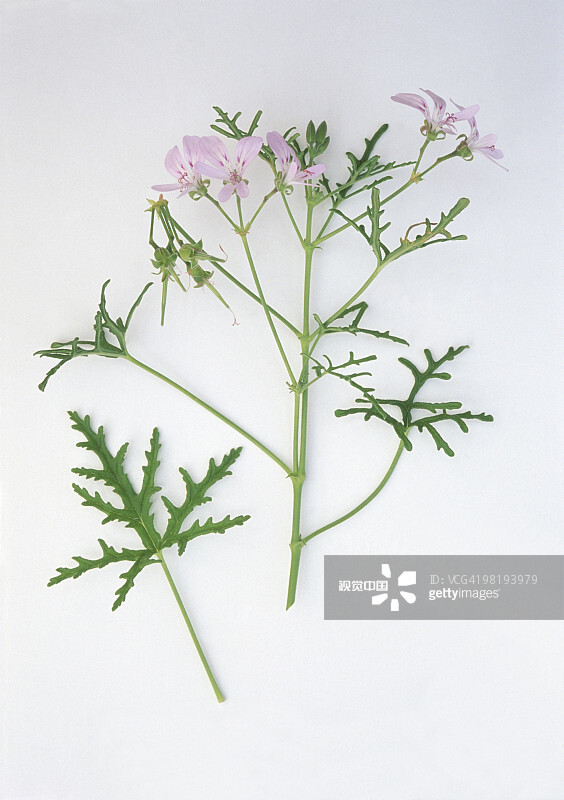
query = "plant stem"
x=292 y=219
x=222 y=211
x=420 y=156
x=265 y=200
x=340 y=228
x=301 y=409
x=362 y=289
x=364 y=503
x=250 y=293
x=260 y=293
x=212 y=410
x=416 y=178
x=171 y=583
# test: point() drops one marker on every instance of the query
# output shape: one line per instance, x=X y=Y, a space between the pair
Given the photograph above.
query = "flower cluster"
x=438 y=124
x=207 y=156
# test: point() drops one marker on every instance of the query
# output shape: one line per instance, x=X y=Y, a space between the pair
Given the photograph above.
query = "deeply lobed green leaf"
x=104 y=324
x=135 y=510
x=375 y=407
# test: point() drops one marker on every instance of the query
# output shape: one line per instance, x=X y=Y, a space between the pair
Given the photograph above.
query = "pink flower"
x=220 y=165
x=436 y=122
x=486 y=145
x=184 y=170
x=290 y=168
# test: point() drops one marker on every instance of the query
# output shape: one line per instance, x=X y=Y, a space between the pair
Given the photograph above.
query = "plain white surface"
x=102 y=705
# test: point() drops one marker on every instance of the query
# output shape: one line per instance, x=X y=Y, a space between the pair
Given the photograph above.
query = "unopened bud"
x=186 y=253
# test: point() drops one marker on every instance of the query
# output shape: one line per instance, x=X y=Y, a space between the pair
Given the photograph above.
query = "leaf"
x=135 y=510
x=433 y=230
x=359 y=309
x=103 y=324
x=113 y=475
x=109 y=556
x=112 y=514
x=229 y=127
x=440 y=411
x=148 y=487
x=196 y=494
x=441 y=443
x=364 y=166
x=198 y=529
x=234 y=131
x=129 y=578
x=135 y=305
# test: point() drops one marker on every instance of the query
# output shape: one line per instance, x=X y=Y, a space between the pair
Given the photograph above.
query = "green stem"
x=260 y=293
x=178 y=228
x=292 y=219
x=152 y=242
x=344 y=227
x=265 y=200
x=295 y=542
x=217 y=690
x=422 y=150
x=363 y=288
x=364 y=503
x=326 y=223
x=301 y=409
x=357 y=294
x=212 y=410
x=250 y=293
x=163 y=300
x=168 y=228
x=416 y=178
x=222 y=211
x=439 y=161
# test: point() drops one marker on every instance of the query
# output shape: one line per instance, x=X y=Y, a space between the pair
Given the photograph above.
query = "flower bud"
x=186 y=253
x=200 y=275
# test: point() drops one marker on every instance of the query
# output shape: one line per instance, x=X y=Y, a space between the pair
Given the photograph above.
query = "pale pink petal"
x=192 y=149
x=414 y=100
x=315 y=170
x=280 y=148
x=473 y=128
x=247 y=149
x=440 y=104
x=242 y=189
x=487 y=141
x=291 y=171
x=173 y=161
x=493 y=155
x=166 y=187
x=212 y=172
x=215 y=151
x=465 y=113
x=226 y=192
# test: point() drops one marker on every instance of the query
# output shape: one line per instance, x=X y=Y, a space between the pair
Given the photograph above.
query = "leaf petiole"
x=197 y=645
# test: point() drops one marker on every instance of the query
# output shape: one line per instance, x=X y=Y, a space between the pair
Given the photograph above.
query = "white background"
x=108 y=706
